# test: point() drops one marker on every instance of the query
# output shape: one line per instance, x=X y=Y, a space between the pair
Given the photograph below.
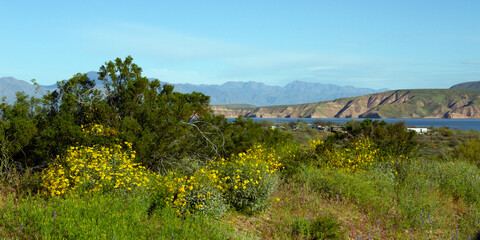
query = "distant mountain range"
x=259 y=94
x=252 y=93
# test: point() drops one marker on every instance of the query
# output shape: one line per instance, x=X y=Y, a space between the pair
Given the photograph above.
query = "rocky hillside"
x=418 y=103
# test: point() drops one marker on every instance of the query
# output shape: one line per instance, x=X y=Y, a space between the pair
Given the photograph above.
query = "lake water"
x=465 y=124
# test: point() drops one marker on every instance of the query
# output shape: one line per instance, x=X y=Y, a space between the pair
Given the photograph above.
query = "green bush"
x=292 y=157
x=469 y=151
x=391 y=139
x=248 y=179
x=244 y=133
x=244 y=182
x=324 y=226
x=199 y=193
x=373 y=187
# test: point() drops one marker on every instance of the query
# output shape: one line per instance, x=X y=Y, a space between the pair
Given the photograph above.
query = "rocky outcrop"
x=428 y=103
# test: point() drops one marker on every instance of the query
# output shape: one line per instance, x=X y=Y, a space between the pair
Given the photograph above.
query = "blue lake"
x=465 y=124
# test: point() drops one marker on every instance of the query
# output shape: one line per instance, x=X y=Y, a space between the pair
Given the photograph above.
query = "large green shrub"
x=248 y=179
x=469 y=151
x=391 y=139
x=168 y=129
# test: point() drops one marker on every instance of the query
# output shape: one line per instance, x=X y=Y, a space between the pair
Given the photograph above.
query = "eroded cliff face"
x=442 y=103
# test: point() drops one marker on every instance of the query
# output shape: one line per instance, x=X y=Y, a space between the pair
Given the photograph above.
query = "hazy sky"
x=376 y=44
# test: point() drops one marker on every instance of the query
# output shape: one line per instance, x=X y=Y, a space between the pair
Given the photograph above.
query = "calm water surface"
x=465 y=124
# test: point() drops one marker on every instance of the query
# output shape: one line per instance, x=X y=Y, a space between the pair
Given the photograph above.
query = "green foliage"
x=244 y=182
x=205 y=196
x=199 y=193
x=152 y=116
x=373 y=187
x=244 y=133
x=469 y=151
x=416 y=197
x=417 y=193
x=248 y=179
x=391 y=139
x=64 y=111
x=354 y=157
x=324 y=226
x=459 y=179
x=168 y=129
x=293 y=157
x=18 y=127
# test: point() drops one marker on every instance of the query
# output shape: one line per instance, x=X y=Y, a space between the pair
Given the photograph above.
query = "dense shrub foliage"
x=469 y=151
x=390 y=139
x=247 y=180
x=167 y=129
x=189 y=194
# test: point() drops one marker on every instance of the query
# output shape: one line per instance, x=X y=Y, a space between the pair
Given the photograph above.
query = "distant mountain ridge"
x=467 y=85
x=252 y=93
x=414 y=103
x=260 y=94
x=9 y=86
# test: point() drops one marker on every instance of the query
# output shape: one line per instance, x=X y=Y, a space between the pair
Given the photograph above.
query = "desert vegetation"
x=137 y=160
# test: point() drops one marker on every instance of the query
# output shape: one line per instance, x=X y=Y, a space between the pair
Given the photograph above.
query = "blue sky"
x=376 y=44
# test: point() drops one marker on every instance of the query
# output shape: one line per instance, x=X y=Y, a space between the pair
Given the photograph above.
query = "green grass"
x=427 y=199
x=101 y=217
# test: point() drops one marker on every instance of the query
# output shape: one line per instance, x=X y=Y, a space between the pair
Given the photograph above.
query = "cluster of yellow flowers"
x=355 y=157
x=199 y=192
x=93 y=169
x=313 y=143
x=247 y=179
x=98 y=130
x=238 y=180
